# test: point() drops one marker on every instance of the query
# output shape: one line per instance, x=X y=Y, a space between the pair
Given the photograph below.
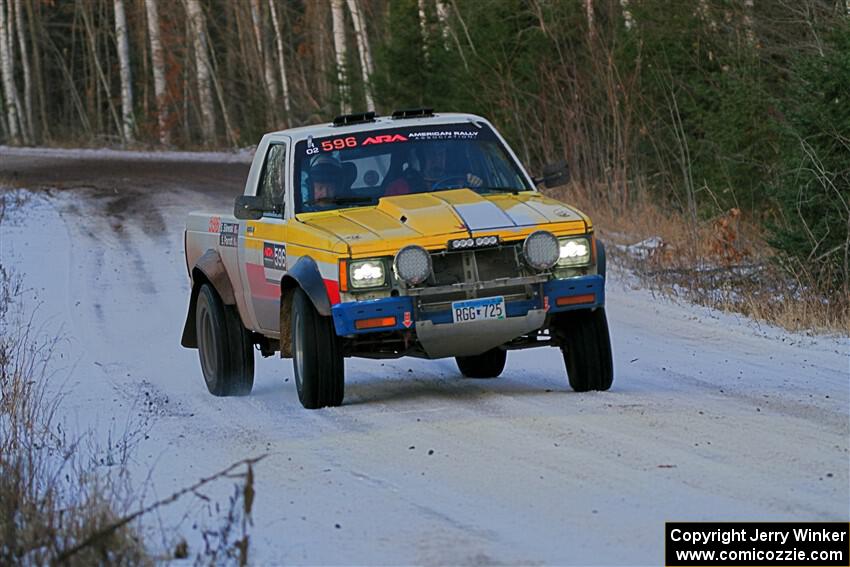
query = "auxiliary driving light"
x=541 y=250
x=412 y=264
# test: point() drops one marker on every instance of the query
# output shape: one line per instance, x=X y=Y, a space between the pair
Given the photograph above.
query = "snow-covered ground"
x=711 y=417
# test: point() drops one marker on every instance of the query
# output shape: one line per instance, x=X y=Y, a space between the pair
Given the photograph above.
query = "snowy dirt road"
x=711 y=416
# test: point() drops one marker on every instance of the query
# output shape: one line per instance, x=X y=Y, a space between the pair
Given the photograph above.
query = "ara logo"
x=386 y=138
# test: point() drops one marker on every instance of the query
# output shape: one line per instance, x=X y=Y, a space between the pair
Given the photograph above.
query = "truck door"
x=262 y=250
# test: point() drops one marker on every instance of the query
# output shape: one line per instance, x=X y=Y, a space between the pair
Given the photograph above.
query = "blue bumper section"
x=345 y=314
x=402 y=308
x=574 y=287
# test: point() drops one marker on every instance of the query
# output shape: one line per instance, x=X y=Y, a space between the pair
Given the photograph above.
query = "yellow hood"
x=430 y=219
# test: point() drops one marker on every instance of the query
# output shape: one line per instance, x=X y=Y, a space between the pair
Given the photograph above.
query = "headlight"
x=541 y=250
x=367 y=273
x=574 y=252
x=413 y=264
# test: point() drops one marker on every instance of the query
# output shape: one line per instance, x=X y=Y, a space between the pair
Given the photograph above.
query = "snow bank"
x=241 y=155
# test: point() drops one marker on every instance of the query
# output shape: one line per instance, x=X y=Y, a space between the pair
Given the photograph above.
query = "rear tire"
x=587 y=350
x=316 y=355
x=489 y=364
x=224 y=346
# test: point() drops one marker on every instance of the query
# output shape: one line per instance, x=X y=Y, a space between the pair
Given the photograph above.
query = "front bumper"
x=401 y=314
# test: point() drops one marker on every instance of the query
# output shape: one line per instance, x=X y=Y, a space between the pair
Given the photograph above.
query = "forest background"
x=714 y=133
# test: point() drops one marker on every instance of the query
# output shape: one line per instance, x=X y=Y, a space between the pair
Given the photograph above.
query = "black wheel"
x=316 y=356
x=224 y=346
x=587 y=350
x=485 y=365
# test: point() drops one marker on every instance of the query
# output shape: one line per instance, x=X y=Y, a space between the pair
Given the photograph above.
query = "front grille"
x=482 y=265
x=501 y=262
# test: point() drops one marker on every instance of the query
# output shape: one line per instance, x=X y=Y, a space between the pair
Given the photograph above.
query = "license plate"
x=478 y=309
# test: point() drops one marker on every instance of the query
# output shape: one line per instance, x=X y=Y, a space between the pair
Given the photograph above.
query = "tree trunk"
x=591 y=26
x=10 y=35
x=121 y=39
x=8 y=77
x=423 y=27
x=158 y=65
x=339 y=48
x=203 y=69
x=25 y=64
x=366 y=67
x=284 y=82
x=628 y=19
x=33 y=16
x=265 y=59
x=228 y=129
x=99 y=69
x=443 y=19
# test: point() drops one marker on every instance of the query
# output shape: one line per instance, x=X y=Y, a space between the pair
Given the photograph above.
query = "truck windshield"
x=357 y=169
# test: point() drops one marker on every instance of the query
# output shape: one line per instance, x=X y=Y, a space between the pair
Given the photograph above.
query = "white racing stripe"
x=483 y=216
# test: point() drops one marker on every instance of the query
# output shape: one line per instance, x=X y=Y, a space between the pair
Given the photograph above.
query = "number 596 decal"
x=339 y=144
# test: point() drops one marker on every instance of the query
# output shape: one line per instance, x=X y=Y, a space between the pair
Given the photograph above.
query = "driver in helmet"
x=325 y=179
x=433 y=174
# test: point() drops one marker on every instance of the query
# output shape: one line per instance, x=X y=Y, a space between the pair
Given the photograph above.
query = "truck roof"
x=380 y=122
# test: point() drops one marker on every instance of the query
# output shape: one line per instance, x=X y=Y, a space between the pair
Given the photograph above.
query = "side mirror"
x=248 y=207
x=554 y=175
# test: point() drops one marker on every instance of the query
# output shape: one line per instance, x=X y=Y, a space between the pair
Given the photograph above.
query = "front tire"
x=316 y=356
x=587 y=350
x=489 y=364
x=224 y=346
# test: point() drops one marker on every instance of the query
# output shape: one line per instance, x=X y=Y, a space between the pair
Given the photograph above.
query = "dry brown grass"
x=51 y=496
x=58 y=503
x=722 y=262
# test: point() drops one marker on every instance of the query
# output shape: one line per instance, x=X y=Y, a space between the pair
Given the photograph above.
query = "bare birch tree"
x=443 y=19
x=591 y=26
x=99 y=73
x=284 y=82
x=423 y=27
x=627 y=15
x=121 y=39
x=338 y=19
x=158 y=68
x=225 y=114
x=265 y=59
x=366 y=65
x=202 y=69
x=27 y=123
x=8 y=77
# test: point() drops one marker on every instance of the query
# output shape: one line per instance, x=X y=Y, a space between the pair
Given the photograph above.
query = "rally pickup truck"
x=416 y=234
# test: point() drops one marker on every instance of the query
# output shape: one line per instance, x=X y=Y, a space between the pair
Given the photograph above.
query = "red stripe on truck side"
x=333 y=291
x=263 y=289
x=260 y=288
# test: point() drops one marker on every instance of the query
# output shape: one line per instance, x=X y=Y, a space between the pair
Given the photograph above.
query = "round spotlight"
x=412 y=264
x=541 y=250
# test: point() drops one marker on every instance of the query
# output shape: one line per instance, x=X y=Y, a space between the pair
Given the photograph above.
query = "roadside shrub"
x=59 y=504
x=813 y=193
x=50 y=496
